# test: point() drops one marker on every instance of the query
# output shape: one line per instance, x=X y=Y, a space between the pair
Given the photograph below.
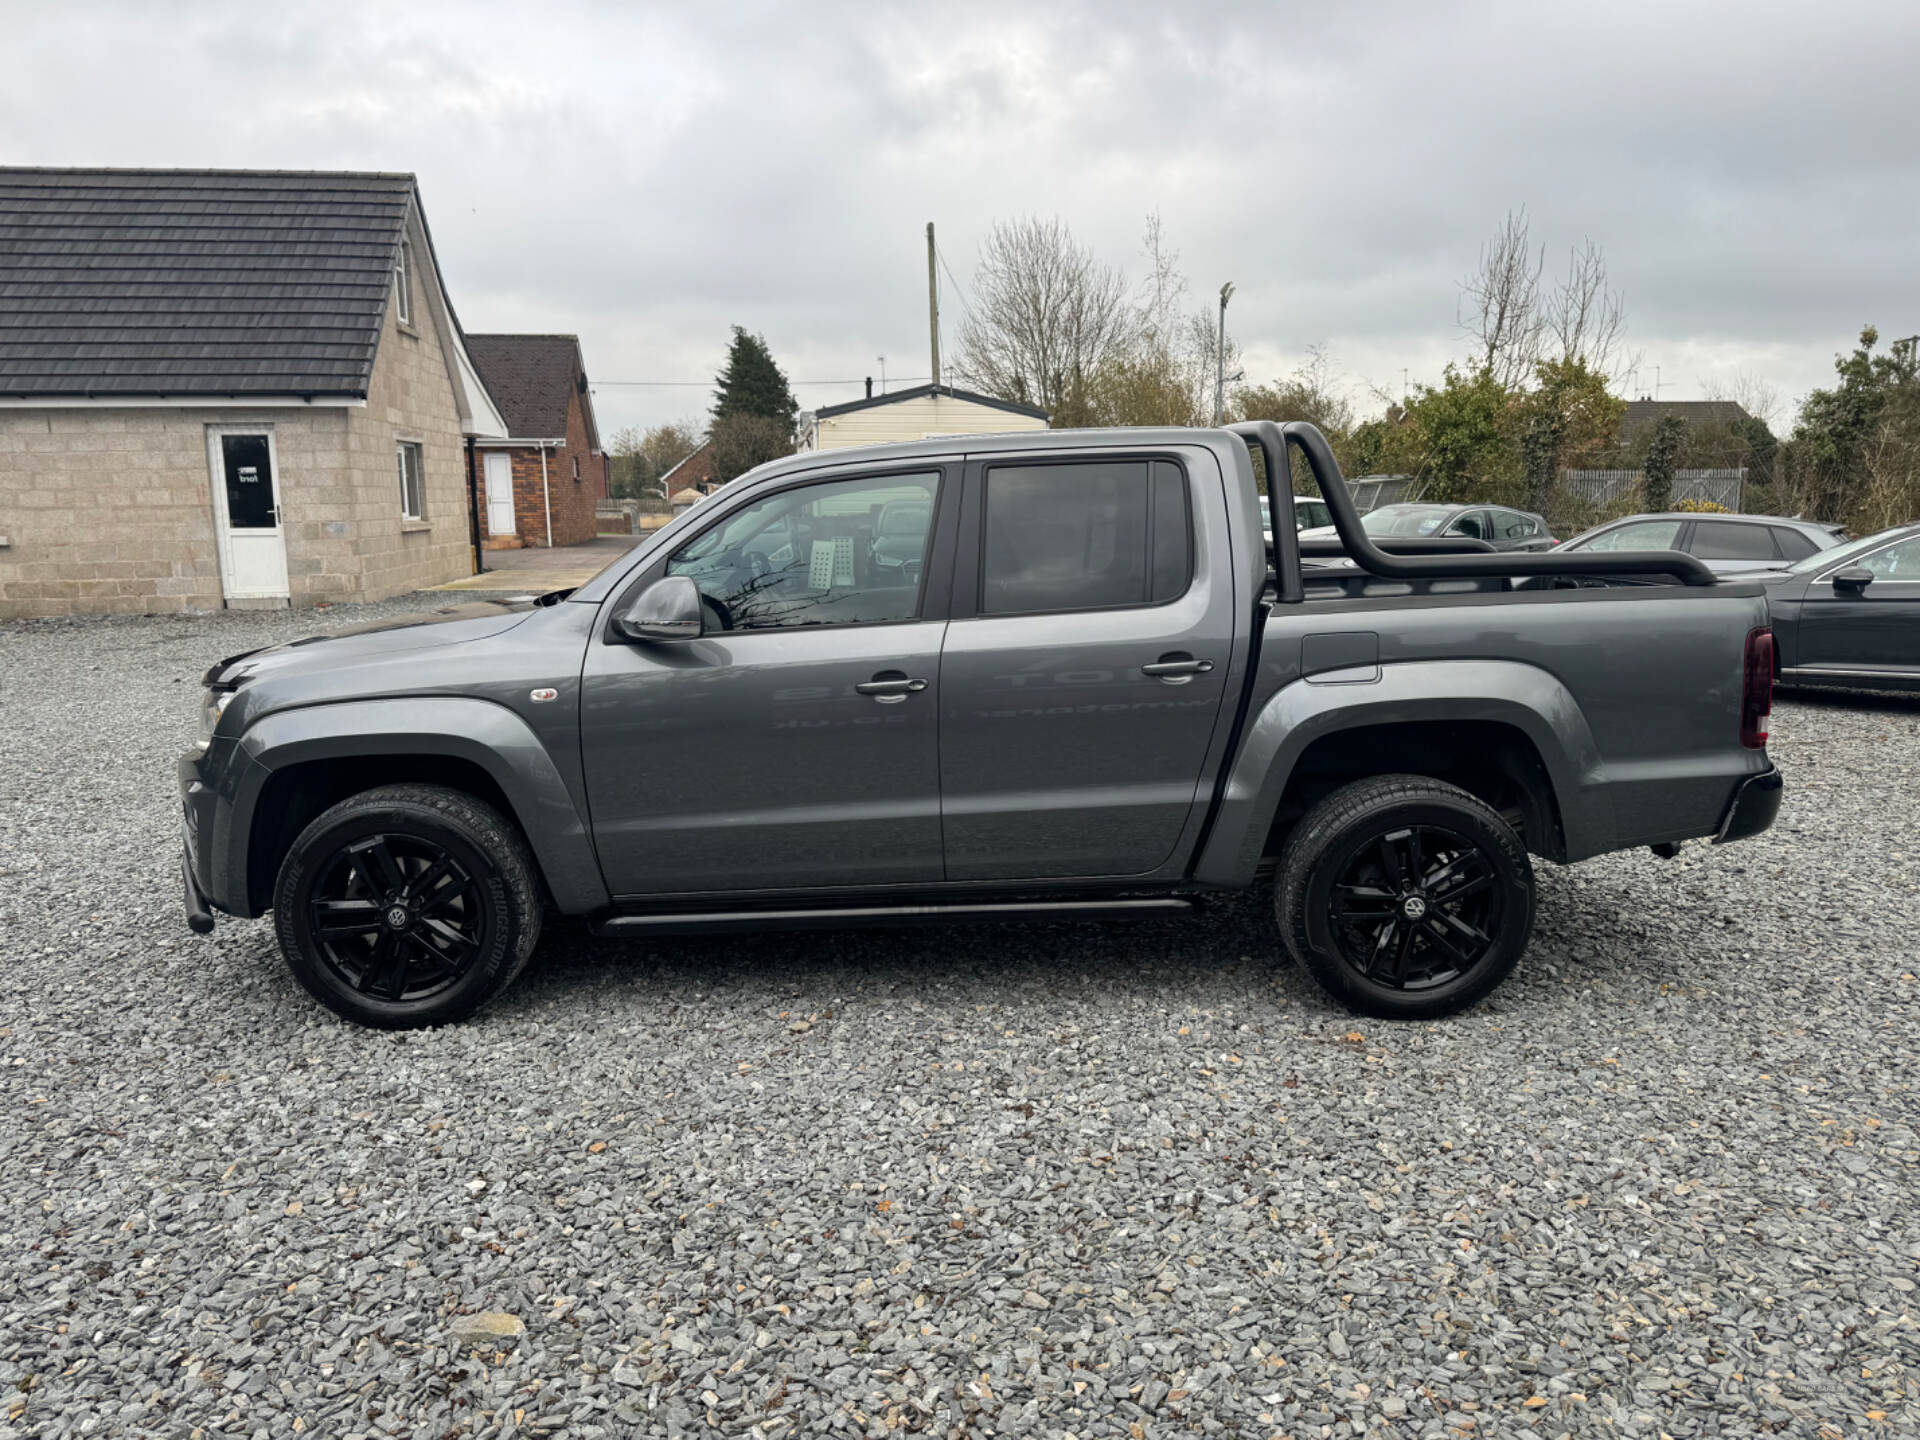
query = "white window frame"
x=403 y=284
x=402 y=449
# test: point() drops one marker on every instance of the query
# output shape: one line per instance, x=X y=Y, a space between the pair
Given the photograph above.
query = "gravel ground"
x=1060 y=1180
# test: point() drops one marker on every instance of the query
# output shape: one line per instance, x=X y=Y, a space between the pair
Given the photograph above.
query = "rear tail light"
x=1756 y=690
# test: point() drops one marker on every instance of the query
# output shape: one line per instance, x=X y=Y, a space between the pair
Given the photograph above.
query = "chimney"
x=869 y=387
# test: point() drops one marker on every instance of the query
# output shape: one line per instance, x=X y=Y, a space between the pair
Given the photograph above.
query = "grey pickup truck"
x=1048 y=675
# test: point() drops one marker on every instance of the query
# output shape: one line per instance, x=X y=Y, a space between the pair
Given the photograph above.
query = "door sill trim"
x=1817 y=672
x=833 y=917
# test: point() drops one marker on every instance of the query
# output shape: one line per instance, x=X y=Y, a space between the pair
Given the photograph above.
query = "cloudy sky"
x=647 y=176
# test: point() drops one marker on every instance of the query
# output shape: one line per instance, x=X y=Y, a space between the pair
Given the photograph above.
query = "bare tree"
x=1499 y=305
x=1584 y=316
x=1514 y=323
x=1747 y=389
x=1045 y=317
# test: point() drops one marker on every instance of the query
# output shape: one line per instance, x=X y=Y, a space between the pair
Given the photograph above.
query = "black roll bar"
x=1273 y=440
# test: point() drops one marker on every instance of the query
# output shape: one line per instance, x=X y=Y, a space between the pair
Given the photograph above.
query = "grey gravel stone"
x=1665 y=1180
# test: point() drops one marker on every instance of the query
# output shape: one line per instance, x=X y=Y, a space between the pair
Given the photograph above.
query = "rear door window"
x=1088 y=536
x=1516 y=525
x=1727 y=540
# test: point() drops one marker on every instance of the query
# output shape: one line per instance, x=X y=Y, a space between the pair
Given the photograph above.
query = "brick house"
x=539 y=485
x=690 y=478
x=217 y=387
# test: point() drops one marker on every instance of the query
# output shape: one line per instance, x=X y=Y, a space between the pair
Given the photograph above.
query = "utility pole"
x=933 y=305
x=1656 y=384
x=1220 y=359
x=883 y=374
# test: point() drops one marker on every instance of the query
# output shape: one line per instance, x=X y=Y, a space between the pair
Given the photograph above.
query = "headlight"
x=216 y=704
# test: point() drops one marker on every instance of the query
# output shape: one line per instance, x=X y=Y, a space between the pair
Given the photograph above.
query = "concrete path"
x=534 y=571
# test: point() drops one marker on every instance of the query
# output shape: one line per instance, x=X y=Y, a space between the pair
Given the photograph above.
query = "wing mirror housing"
x=1853 y=579
x=669 y=609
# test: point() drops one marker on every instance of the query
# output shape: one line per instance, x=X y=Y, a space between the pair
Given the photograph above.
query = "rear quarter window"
x=1793 y=544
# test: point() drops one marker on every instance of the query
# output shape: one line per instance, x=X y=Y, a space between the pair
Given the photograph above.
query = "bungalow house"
x=540 y=484
x=690 y=479
x=220 y=387
x=920 y=413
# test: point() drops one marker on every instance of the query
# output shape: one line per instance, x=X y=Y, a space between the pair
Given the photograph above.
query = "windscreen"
x=1405 y=519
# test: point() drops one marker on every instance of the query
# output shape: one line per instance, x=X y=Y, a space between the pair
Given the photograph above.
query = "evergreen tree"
x=1669 y=434
x=751 y=384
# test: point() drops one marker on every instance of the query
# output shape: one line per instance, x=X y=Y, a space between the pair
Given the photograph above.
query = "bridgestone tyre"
x=1405 y=897
x=407 y=906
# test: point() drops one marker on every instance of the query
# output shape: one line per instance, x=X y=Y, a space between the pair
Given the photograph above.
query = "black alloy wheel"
x=396 y=917
x=1405 y=896
x=407 y=905
x=1418 y=907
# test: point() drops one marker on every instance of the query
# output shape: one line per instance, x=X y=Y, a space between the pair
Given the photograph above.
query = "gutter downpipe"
x=473 y=511
x=546 y=495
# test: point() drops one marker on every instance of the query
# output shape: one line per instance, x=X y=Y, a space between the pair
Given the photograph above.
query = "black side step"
x=699 y=922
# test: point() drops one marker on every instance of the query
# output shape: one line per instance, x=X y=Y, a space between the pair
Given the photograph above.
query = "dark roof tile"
x=194 y=282
x=532 y=378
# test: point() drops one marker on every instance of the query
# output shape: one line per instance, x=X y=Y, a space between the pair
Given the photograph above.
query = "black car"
x=1500 y=527
x=1849 y=617
x=1729 y=544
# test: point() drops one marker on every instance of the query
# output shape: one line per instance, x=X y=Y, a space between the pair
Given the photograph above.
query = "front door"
x=795 y=743
x=246 y=514
x=499 y=493
x=1081 y=688
x=1873 y=628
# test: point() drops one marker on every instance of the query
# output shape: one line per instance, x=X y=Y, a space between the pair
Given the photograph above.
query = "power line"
x=958 y=289
x=919 y=379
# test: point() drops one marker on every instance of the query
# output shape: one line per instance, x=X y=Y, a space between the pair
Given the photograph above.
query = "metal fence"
x=1603 y=488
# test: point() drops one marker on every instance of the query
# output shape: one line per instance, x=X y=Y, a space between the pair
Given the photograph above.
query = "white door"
x=246 y=514
x=499 y=493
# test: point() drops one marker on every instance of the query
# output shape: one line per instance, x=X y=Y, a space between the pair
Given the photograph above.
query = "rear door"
x=1731 y=546
x=1876 y=628
x=1085 y=665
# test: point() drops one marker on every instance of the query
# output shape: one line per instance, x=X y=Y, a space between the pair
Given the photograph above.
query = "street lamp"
x=1220 y=359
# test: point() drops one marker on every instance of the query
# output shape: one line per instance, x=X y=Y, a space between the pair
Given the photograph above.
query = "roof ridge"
x=172 y=170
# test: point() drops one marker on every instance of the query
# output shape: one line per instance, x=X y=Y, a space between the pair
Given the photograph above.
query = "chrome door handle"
x=890 y=689
x=1162 y=668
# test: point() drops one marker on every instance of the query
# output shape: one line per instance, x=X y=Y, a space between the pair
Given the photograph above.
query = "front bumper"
x=1754 y=805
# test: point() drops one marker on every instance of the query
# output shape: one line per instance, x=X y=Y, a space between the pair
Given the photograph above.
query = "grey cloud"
x=648 y=177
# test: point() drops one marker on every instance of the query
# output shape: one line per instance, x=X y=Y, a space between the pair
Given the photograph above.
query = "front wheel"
x=407 y=905
x=1405 y=897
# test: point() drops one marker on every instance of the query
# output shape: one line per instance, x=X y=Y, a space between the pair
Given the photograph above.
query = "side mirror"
x=668 y=609
x=1853 y=579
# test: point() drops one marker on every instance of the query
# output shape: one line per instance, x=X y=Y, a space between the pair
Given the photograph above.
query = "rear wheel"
x=407 y=905
x=1405 y=897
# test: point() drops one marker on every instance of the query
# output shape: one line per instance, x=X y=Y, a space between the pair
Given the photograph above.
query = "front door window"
x=849 y=552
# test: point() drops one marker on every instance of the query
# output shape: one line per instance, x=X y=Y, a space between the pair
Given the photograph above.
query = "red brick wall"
x=572 y=500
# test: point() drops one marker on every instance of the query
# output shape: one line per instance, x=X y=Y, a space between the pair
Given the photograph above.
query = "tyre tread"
x=489 y=831
x=1307 y=846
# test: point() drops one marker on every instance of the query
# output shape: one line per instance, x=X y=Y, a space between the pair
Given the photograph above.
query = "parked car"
x=1308 y=512
x=1500 y=527
x=1082 y=695
x=1849 y=616
x=1729 y=544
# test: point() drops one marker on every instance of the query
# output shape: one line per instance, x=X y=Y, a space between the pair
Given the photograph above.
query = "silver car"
x=1729 y=544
